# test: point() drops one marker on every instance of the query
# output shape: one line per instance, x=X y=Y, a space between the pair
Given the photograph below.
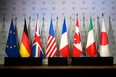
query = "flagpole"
x=90 y=14
x=98 y=36
x=11 y=16
x=29 y=19
x=37 y=16
x=84 y=37
x=16 y=31
x=111 y=41
x=51 y=15
x=57 y=36
x=3 y=29
x=43 y=36
x=3 y=21
x=69 y=28
x=29 y=31
x=102 y=15
x=15 y=21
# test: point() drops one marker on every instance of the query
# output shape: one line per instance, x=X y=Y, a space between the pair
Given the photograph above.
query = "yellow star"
x=10 y=46
x=14 y=45
x=10 y=31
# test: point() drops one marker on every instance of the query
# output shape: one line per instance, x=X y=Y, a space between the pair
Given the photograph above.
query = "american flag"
x=51 y=48
x=37 y=45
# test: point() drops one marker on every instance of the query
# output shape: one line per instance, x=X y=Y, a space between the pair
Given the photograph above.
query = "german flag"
x=25 y=50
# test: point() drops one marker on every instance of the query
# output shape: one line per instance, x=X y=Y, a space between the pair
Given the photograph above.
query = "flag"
x=51 y=48
x=3 y=35
x=98 y=33
x=69 y=32
x=112 y=44
x=91 y=45
x=30 y=31
x=70 y=35
x=84 y=37
x=16 y=33
x=37 y=45
x=11 y=45
x=77 y=48
x=57 y=35
x=25 y=50
x=64 y=47
x=43 y=36
x=104 y=47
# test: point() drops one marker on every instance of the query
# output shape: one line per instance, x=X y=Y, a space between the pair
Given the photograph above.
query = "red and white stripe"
x=51 y=48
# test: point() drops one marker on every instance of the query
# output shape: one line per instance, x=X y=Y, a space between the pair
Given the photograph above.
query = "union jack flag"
x=37 y=45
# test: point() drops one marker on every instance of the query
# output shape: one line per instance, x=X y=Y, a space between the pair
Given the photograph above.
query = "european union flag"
x=11 y=47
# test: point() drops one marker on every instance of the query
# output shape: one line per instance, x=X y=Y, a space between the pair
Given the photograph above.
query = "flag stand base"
x=92 y=61
x=19 y=61
x=57 y=61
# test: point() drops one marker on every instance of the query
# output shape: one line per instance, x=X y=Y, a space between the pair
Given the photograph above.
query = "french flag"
x=64 y=47
x=37 y=45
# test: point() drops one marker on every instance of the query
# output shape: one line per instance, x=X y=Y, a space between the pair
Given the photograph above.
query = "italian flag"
x=104 y=48
x=91 y=46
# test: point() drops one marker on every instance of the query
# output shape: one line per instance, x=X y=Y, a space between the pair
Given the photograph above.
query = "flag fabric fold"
x=64 y=47
x=111 y=41
x=43 y=36
x=51 y=48
x=77 y=47
x=30 y=31
x=104 y=47
x=16 y=32
x=37 y=45
x=11 y=45
x=25 y=50
x=57 y=35
x=84 y=37
x=98 y=33
x=91 y=45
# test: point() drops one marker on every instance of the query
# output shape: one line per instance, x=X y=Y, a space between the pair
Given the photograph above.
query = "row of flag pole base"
x=58 y=61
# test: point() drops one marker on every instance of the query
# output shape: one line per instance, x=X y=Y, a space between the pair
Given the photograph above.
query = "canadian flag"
x=104 y=48
x=77 y=48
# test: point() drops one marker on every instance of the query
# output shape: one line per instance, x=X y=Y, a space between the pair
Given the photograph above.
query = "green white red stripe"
x=91 y=45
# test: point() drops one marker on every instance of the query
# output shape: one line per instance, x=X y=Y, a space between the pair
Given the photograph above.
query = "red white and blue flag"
x=51 y=48
x=37 y=45
x=64 y=47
